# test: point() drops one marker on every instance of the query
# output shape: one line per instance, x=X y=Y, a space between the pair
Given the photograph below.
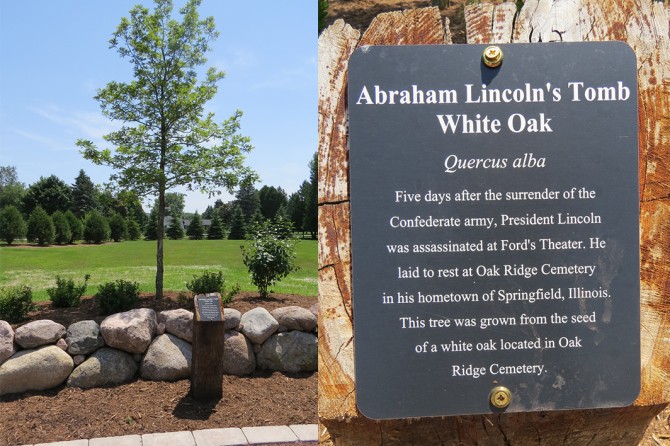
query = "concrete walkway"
x=298 y=434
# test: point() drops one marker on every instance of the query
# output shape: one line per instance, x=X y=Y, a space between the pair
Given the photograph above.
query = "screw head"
x=500 y=397
x=493 y=56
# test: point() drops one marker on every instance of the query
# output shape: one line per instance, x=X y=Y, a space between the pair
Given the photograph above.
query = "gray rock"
x=295 y=318
x=258 y=325
x=105 y=367
x=38 y=333
x=168 y=359
x=7 y=347
x=231 y=318
x=238 y=354
x=35 y=369
x=130 y=331
x=84 y=337
x=78 y=359
x=315 y=310
x=178 y=322
x=160 y=329
x=294 y=351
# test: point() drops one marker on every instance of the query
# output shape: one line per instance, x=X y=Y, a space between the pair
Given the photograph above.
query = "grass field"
x=136 y=261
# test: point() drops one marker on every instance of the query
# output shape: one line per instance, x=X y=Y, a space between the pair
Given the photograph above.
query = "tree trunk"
x=160 y=233
x=644 y=26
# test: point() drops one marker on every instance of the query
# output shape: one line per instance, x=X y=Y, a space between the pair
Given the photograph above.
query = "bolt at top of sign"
x=492 y=57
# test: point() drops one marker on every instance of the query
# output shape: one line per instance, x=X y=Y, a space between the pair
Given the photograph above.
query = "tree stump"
x=644 y=25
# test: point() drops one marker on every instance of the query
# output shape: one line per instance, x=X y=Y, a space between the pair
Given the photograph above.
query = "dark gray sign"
x=208 y=308
x=494 y=214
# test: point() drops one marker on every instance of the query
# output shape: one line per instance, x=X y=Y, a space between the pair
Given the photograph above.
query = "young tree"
x=84 y=196
x=176 y=229
x=269 y=257
x=134 y=232
x=40 y=227
x=238 y=227
x=117 y=227
x=196 y=230
x=63 y=233
x=167 y=140
x=296 y=206
x=12 y=226
x=216 y=228
x=151 y=225
x=247 y=200
x=311 y=210
x=76 y=227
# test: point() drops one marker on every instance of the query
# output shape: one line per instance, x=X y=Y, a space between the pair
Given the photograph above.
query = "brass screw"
x=500 y=397
x=492 y=57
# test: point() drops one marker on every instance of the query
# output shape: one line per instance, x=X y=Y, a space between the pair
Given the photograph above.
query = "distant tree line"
x=51 y=211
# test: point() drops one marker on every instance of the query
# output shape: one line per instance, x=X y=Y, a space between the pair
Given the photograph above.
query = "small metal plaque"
x=208 y=308
x=495 y=238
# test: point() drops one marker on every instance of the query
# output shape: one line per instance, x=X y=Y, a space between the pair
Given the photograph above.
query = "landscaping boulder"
x=38 y=333
x=83 y=338
x=178 y=322
x=130 y=331
x=293 y=351
x=315 y=310
x=35 y=369
x=295 y=318
x=258 y=325
x=238 y=354
x=105 y=367
x=231 y=318
x=7 y=348
x=168 y=359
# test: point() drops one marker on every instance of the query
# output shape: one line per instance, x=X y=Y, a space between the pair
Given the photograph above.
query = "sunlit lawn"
x=37 y=267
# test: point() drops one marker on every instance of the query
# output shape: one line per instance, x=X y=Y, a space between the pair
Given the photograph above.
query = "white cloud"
x=235 y=58
x=80 y=123
x=44 y=140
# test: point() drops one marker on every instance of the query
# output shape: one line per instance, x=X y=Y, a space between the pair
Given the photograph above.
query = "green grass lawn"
x=37 y=267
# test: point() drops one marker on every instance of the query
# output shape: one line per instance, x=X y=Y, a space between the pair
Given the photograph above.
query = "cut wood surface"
x=644 y=25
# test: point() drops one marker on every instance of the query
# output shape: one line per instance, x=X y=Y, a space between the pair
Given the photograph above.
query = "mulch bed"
x=140 y=407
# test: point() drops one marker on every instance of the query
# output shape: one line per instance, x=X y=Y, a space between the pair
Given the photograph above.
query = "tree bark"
x=644 y=26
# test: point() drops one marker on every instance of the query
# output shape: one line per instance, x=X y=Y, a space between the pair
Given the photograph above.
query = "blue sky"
x=54 y=55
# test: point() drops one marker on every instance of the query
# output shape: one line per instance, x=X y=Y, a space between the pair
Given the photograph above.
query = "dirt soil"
x=359 y=14
x=140 y=407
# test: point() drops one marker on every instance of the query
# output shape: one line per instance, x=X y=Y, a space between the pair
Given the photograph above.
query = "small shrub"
x=228 y=295
x=40 y=227
x=76 y=227
x=117 y=227
x=15 y=303
x=12 y=226
x=114 y=297
x=96 y=228
x=209 y=283
x=269 y=258
x=62 y=229
x=67 y=294
x=206 y=283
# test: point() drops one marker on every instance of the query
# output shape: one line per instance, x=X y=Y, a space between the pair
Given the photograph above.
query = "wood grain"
x=644 y=25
